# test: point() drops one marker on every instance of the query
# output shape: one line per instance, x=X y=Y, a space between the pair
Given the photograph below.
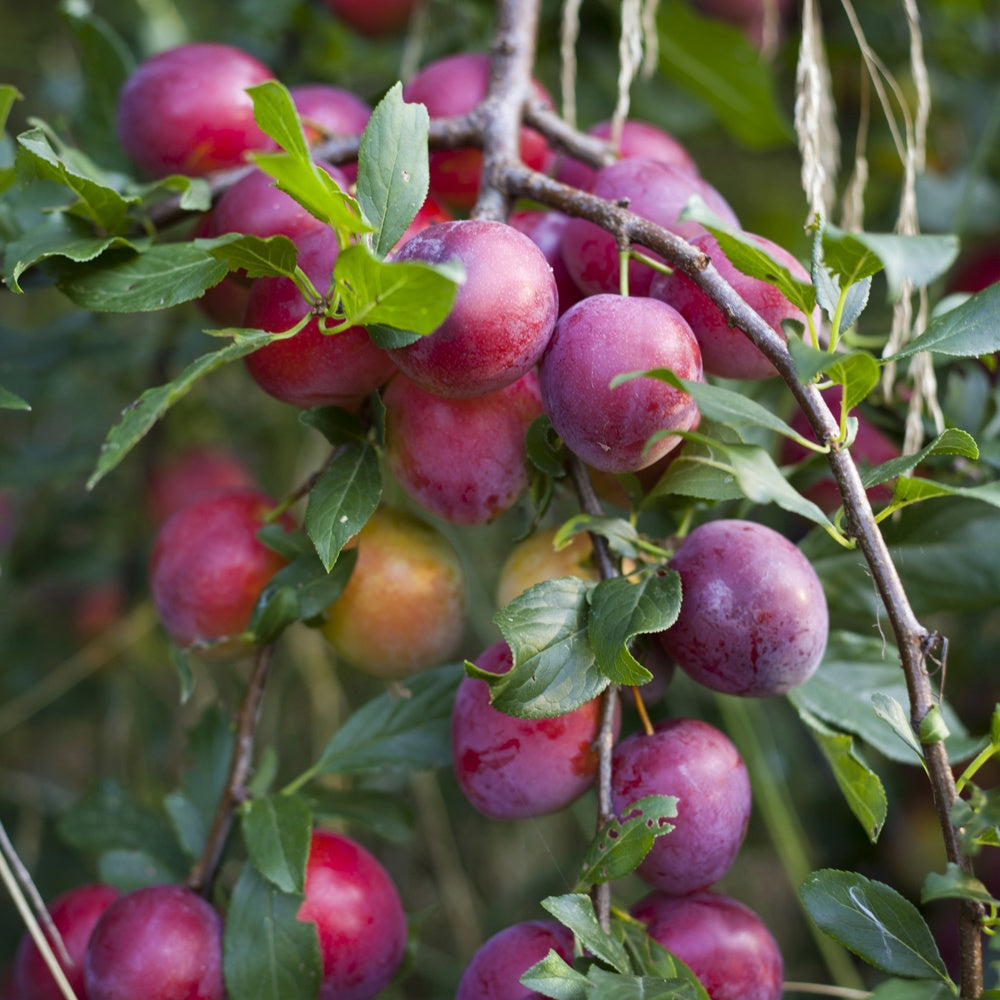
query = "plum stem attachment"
x=203 y=873
x=640 y=707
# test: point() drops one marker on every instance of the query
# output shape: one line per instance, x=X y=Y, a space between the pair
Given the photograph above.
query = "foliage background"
x=80 y=701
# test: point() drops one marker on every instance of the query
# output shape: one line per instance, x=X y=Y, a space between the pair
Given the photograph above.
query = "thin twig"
x=202 y=874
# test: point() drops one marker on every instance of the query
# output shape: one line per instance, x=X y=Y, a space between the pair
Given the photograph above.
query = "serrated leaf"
x=277 y=830
x=750 y=258
x=857 y=372
x=620 y=845
x=393 y=171
x=575 y=910
x=409 y=726
x=273 y=256
x=622 y=536
x=384 y=813
x=342 y=500
x=954 y=883
x=554 y=669
x=163 y=276
x=8 y=95
x=715 y=62
x=855 y=303
x=891 y=712
x=874 y=921
x=337 y=425
x=409 y=295
x=96 y=199
x=620 y=610
x=11 y=401
x=695 y=475
x=969 y=330
x=140 y=416
x=543 y=448
x=918 y=259
x=724 y=406
x=859 y=784
x=275 y=112
x=58 y=235
x=613 y=986
x=853 y=670
x=650 y=958
x=950 y=442
x=315 y=190
x=267 y=952
x=554 y=977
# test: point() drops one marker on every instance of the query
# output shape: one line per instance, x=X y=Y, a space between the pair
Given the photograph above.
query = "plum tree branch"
x=203 y=872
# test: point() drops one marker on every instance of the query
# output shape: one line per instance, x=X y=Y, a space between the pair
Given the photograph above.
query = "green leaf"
x=277 y=830
x=58 y=235
x=554 y=670
x=409 y=727
x=140 y=416
x=874 y=921
x=342 y=500
x=858 y=783
x=108 y=818
x=294 y=170
x=553 y=977
x=11 y=401
x=953 y=883
x=923 y=989
x=724 y=406
x=133 y=868
x=621 y=534
x=716 y=63
x=385 y=813
x=620 y=610
x=856 y=371
x=393 y=172
x=162 y=276
x=96 y=199
x=613 y=986
x=337 y=425
x=750 y=258
x=950 y=442
x=650 y=958
x=192 y=807
x=267 y=952
x=408 y=295
x=105 y=63
x=300 y=591
x=8 y=95
x=891 y=712
x=855 y=669
x=544 y=448
x=912 y=490
x=918 y=259
x=620 y=845
x=576 y=911
x=970 y=330
x=275 y=112
x=274 y=256
x=695 y=473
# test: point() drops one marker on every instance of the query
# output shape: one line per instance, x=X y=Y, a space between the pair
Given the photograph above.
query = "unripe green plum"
x=404 y=607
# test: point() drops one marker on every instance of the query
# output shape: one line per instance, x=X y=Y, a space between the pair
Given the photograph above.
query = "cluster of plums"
x=539 y=326
x=164 y=942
